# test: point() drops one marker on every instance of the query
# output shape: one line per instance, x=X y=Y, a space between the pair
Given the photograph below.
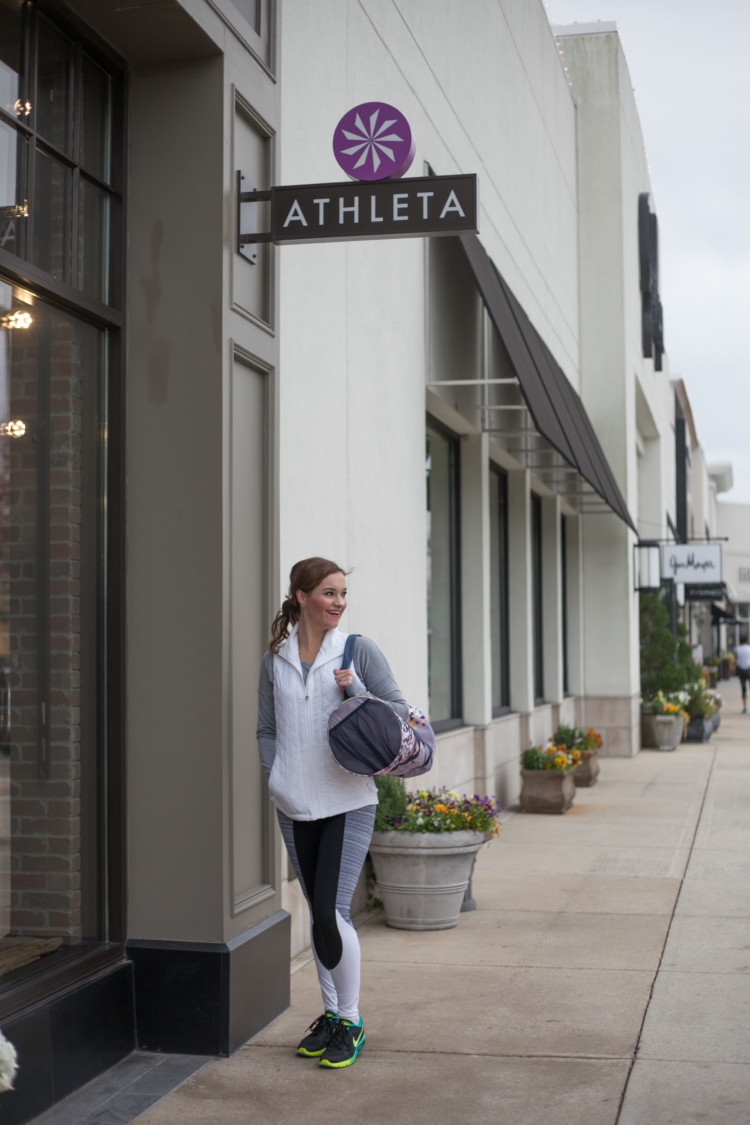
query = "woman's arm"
x=266 y=730
x=373 y=670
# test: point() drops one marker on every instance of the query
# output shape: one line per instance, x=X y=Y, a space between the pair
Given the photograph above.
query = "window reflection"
x=51 y=105
x=10 y=55
x=56 y=156
x=442 y=577
x=50 y=216
x=96 y=140
x=93 y=240
x=12 y=194
x=499 y=630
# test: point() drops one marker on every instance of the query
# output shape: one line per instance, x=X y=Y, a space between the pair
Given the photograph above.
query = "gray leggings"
x=328 y=856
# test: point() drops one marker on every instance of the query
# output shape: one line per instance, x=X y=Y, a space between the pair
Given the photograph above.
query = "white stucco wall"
x=733 y=523
x=630 y=404
x=352 y=321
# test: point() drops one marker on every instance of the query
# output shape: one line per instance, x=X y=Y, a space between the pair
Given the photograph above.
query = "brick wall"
x=45 y=783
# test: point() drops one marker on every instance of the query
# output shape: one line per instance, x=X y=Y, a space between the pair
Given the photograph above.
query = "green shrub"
x=392 y=802
x=667 y=663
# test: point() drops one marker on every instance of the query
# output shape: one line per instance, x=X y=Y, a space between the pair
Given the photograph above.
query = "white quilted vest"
x=306 y=783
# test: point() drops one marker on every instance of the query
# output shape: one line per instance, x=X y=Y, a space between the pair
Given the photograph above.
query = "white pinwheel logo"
x=372 y=141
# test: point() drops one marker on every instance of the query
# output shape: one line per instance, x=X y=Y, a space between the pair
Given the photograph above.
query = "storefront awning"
x=554 y=404
x=720 y=616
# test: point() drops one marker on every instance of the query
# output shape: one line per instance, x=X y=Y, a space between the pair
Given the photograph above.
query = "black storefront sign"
x=430 y=205
x=706 y=592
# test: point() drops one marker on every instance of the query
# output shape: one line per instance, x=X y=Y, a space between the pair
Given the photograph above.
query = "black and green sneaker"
x=319 y=1036
x=347 y=1041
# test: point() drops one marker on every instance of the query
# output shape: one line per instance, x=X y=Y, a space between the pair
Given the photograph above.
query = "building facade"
x=477 y=427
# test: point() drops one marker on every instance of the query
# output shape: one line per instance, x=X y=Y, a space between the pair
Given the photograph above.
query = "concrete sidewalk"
x=604 y=978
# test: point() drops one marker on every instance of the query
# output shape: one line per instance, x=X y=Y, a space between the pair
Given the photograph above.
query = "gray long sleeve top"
x=373 y=675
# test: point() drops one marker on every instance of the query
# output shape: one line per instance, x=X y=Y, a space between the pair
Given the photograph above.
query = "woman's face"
x=322 y=607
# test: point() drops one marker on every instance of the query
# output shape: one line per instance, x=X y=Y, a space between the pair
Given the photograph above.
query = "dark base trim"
x=64 y=1043
x=200 y=998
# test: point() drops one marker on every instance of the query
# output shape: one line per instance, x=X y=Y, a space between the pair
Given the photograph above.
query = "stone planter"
x=586 y=772
x=547 y=791
x=422 y=877
x=661 y=732
x=699 y=730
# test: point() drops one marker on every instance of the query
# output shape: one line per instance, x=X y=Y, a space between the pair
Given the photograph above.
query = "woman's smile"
x=323 y=607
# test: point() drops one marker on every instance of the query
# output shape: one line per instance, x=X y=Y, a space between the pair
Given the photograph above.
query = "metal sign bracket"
x=248 y=235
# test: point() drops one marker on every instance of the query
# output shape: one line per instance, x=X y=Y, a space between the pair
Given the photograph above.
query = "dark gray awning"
x=721 y=616
x=553 y=403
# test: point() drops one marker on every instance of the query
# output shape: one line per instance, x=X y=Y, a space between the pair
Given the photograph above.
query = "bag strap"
x=349 y=650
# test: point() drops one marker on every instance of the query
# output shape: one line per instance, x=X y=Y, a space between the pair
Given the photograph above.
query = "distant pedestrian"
x=742 y=656
x=326 y=815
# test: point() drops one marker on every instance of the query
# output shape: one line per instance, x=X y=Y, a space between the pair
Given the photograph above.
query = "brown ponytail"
x=305 y=575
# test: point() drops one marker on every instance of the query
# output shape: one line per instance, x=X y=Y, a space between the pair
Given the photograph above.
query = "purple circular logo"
x=373 y=141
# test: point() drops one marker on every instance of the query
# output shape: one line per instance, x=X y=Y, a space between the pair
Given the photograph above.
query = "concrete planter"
x=586 y=772
x=422 y=877
x=661 y=732
x=699 y=730
x=547 y=791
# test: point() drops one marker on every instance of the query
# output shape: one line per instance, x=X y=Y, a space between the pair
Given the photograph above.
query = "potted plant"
x=663 y=721
x=423 y=851
x=700 y=708
x=588 y=742
x=547 y=784
x=667 y=668
x=717 y=701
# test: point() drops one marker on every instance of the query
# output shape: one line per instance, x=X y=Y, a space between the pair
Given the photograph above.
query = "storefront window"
x=443 y=622
x=499 y=592
x=58 y=195
x=564 y=595
x=59 y=199
x=536 y=581
x=52 y=488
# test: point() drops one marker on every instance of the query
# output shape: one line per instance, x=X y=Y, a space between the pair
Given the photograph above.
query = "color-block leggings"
x=328 y=856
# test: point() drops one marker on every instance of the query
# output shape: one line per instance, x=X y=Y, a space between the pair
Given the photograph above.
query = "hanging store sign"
x=429 y=205
x=708 y=592
x=387 y=209
x=374 y=146
x=692 y=563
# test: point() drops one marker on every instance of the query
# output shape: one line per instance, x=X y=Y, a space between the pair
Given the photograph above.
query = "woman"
x=326 y=814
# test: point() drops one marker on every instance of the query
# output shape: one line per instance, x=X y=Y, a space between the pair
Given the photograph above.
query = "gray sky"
x=688 y=66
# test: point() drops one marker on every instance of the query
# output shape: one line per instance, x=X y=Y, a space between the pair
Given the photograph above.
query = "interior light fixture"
x=16 y=319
